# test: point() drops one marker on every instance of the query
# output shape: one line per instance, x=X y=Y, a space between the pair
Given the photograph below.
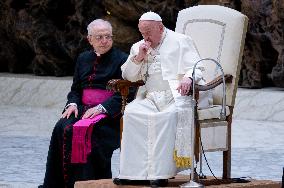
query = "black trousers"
x=60 y=173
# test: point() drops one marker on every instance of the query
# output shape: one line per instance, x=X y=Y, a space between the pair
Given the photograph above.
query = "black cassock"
x=90 y=72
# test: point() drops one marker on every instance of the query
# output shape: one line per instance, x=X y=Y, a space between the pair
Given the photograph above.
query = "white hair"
x=98 y=23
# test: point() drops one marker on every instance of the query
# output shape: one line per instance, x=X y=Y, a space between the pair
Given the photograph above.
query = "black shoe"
x=118 y=181
x=40 y=186
x=159 y=183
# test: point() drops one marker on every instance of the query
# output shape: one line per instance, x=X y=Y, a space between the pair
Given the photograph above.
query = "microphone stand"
x=192 y=183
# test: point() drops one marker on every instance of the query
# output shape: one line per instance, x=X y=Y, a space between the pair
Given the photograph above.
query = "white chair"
x=219 y=33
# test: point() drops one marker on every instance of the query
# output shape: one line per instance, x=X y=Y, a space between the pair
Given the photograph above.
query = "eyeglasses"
x=101 y=37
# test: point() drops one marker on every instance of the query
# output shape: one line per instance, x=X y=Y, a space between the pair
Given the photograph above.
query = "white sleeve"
x=130 y=70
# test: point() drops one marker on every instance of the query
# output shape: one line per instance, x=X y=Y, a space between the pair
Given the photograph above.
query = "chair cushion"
x=205 y=99
x=211 y=112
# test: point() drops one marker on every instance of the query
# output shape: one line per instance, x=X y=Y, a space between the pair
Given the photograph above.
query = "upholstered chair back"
x=219 y=33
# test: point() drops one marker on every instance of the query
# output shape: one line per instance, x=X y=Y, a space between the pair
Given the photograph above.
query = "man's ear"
x=89 y=39
x=161 y=26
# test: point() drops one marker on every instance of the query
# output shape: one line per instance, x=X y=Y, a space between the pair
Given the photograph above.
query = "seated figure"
x=157 y=124
x=85 y=137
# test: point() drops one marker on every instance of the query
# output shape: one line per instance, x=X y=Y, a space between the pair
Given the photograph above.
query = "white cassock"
x=152 y=121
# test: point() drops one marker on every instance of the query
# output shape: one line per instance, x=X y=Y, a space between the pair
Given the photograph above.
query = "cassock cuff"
x=73 y=104
x=101 y=108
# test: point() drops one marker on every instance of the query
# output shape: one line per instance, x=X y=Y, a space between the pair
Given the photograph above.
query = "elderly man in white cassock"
x=157 y=124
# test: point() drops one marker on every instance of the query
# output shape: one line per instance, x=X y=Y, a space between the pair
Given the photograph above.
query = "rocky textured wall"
x=263 y=62
x=44 y=37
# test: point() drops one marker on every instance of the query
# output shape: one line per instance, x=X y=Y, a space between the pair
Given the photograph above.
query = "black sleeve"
x=113 y=104
x=74 y=96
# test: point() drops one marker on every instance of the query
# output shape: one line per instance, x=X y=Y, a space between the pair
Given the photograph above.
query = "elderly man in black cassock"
x=85 y=137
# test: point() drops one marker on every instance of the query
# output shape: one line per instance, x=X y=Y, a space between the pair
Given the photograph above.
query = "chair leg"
x=227 y=154
x=226 y=164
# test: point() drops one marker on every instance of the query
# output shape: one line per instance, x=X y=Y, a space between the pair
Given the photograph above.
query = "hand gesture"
x=184 y=86
x=90 y=113
x=143 y=51
x=71 y=109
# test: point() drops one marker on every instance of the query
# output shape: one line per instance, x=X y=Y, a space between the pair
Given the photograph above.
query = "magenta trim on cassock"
x=82 y=129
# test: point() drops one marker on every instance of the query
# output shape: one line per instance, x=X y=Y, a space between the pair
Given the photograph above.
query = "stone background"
x=44 y=37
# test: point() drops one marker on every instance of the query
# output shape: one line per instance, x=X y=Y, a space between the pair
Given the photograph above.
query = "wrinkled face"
x=151 y=31
x=101 y=38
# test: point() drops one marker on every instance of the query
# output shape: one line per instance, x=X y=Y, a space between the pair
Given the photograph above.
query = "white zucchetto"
x=151 y=16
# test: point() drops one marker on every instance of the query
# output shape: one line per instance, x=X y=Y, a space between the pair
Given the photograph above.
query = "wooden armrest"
x=122 y=86
x=214 y=83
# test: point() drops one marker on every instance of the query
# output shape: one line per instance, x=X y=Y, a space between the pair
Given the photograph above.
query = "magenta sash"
x=94 y=97
x=82 y=129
